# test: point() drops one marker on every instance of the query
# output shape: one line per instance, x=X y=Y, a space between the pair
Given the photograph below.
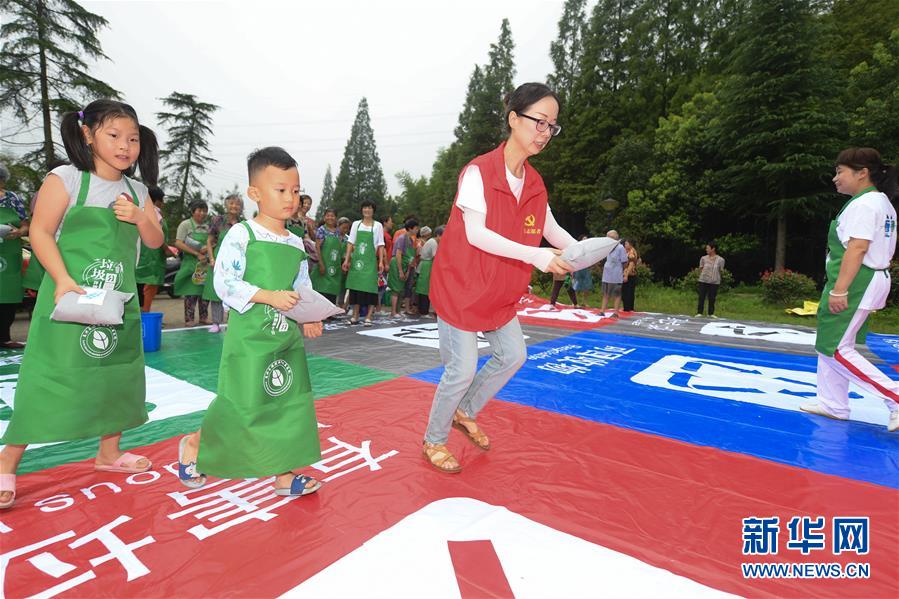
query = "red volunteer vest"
x=471 y=289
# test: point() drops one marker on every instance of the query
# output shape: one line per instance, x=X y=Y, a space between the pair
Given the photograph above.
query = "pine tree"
x=189 y=125
x=360 y=177
x=327 y=198
x=481 y=123
x=777 y=124
x=568 y=49
x=43 y=63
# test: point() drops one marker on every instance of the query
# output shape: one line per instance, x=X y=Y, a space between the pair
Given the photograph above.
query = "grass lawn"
x=740 y=303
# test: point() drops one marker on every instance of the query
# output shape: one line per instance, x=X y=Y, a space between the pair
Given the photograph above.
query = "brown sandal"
x=477 y=436
x=436 y=454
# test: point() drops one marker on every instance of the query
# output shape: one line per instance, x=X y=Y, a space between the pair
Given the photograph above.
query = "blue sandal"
x=187 y=473
x=298 y=487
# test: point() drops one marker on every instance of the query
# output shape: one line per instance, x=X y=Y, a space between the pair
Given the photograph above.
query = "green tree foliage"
x=481 y=124
x=778 y=120
x=873 y=91
x=188 y=122
x=567 y=50
x=360 y=177
x=854 y=27
x=327 y=199
x=44 y=63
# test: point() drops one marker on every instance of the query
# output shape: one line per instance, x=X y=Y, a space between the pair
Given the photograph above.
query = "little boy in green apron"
x=262 y=422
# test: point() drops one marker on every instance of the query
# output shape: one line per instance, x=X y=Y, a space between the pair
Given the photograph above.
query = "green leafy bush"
x=690 y=282
x=787 y=287
x=645 y=275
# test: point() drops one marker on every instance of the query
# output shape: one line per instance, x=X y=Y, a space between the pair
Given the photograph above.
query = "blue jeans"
x=462 y=386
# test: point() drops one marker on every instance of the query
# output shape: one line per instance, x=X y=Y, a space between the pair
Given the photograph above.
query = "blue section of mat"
x=600 y=389
x=886 y=347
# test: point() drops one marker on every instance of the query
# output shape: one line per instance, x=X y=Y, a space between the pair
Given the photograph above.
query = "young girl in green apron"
x=262 y=422
x=326 y=275
x=13 y=215
x=217 y=230
x=191 y=276
x=861 y=243
x=364 y=257
x=80 y=381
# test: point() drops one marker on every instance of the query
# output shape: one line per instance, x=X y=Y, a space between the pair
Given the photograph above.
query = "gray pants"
x=218 y=311
x=462 y=386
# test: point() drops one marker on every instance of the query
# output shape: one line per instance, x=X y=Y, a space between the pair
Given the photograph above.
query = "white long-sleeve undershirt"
x=471 y=199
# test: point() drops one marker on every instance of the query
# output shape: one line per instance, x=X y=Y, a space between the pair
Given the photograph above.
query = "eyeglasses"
x=543 y=125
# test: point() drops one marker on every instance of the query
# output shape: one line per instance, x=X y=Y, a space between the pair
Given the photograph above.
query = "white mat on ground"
x=412 y=559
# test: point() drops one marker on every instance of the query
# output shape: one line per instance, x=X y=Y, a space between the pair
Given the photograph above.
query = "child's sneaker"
x=215 y=328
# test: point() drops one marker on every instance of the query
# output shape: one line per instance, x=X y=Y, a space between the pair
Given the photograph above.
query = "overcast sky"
x=292 y=73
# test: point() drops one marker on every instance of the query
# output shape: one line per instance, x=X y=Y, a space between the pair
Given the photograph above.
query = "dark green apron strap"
x=134 y=197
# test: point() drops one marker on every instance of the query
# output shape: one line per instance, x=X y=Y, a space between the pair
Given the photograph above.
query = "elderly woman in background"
x=628 y=288
x=218 y=228
x=13 y=226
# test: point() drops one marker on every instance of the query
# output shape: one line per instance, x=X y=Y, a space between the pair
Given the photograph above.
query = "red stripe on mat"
x=478 y=570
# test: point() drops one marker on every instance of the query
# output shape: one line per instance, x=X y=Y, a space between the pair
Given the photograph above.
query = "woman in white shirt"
x=364 y=259
x=861 y=243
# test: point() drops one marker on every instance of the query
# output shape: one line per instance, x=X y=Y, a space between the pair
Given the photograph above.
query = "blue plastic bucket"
x=151 y=330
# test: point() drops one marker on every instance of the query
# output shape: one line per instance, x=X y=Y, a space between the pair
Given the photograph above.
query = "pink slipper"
x=8 y=483
x=125 y=463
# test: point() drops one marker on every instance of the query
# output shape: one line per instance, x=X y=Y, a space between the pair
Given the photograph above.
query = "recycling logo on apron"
x=104 y=274
x=98 y=342
x=276 y=322
x=277 y=378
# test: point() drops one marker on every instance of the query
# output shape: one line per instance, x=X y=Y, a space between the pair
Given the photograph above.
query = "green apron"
x=332 y=258
x=10 y=261
x=394 y=282
x=832 y=327
x=151 y=264
x=184 y=278
x=80 y=381
x=34 y=274
x=209 y=287
x=363 y=275
x=262 y=422
x=423 y=284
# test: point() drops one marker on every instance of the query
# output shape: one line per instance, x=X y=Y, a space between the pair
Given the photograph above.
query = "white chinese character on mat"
x=343 y=454
x=52 y=566
x=564 y=368
x=234 y=503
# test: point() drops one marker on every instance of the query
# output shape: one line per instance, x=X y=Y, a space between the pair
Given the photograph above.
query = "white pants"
x=847 y=365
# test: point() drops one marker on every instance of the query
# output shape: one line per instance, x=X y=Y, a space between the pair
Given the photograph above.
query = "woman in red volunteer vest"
x=488 y=249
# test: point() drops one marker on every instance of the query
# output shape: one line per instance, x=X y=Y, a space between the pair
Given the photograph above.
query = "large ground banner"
x=620 y=466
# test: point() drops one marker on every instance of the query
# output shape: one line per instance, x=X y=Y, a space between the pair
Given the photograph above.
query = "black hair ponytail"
x=148 y=160
x=77 y=150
